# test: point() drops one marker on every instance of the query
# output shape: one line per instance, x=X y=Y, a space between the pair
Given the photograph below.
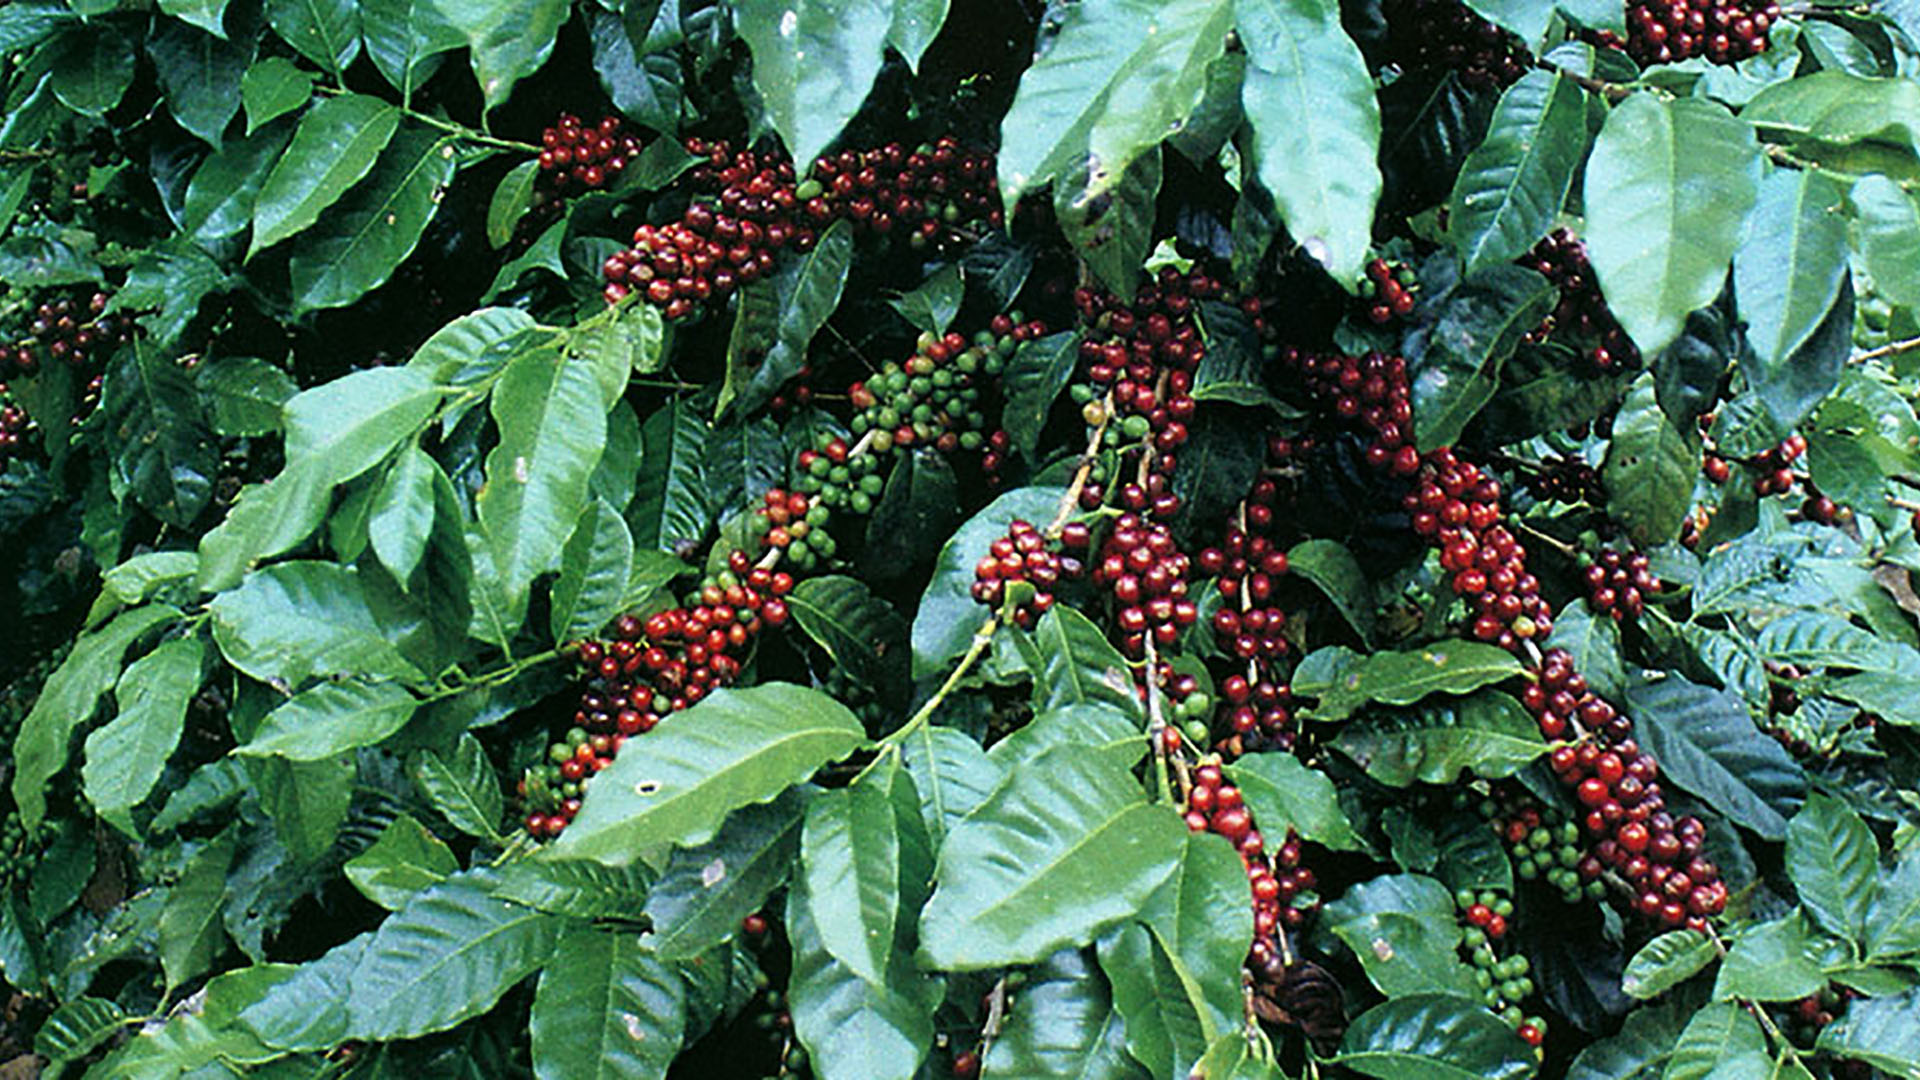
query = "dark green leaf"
x=326 y=32
x=1201 y=918
x=705 y=891
x=1833 y=861
x=1285 y=795
x=507 y=39
x=1883 y=1032
x=1667 y=961
x=1477 y=326
x=670 y=511
x=807 y=290
x=462 y=786
x=1399 y=678
x=307 y=800
x=1650 y=469
x=337 y=143
x=1039 y=370
x=1513 y=184
x=92 y=68
x=75 y=1029
x=511 y=200
x=200 y=74
x=221 y=196
x=165 y=456
x=734 y=748
x=1706 y=744
x=1402 y=930
x=406 y=859
x=916 y=514
x=1488 y=734
x=1594 y=645
x=272 y=88
x=641 y=75
x=595 y=568
x=126 y=757
x=581 y=888
x=405 y=39
x=931 y=307
x=1786 y=276
x=1109 y=223
x=862 y=633
x=1160 y=1002
x=606 y=1007
x=166 y=287
x=363 y=240
x=308 y=1011
x=1434 y=1037
x=1064 y=1025
x=1073 y=663
x=1334 y=571
x=1716 y=1033
x=952 y=775
x=190 y=933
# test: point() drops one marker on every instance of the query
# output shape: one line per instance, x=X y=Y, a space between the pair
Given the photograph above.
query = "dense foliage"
x=885 y=539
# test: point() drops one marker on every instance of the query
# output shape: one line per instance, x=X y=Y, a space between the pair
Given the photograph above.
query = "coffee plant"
x=900 y=539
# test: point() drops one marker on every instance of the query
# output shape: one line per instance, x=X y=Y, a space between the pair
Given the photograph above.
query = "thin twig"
x=1896 y=348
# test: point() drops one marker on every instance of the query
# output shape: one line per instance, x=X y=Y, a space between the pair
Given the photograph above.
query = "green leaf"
x=221 y=196
x=670 y=510
x=733 y=748
x=1650 y=468
x=1488 y=734
x=200 y=74
x=1786 y=276
x=1284 y=794
x=633 y=55
x=92 y=68
x=190 y=932
x=1117 y=77
x=463 y=787
x=580 y=888
x=1434 y=1037
x=1063 y=1024
x=126 y=757
x=1400 y=678
x=948 y=616
x=1016 y=881
x=406 y=859
x=326 y=32
x=806 y=292
x=1315 y=128
x=951 y=773
x=1770 y=962
x=134 y=581
x=1707 y=745
x=360 y=242
x=405 y=39
x=298 y=621
x=401 y=519
x=511 y=199
x=332 y=718
x=606 y=1007
x=915 y=515
x=1667 y=189
x=166 y=288
x=1525 y=19
x=1514 y=183
x=1883 y=1032
x=165 y=456
x=1201 y=919
x=1717 y=1032
x=1109 y=222
x=1039 y=370
x=1159 y=999
x=1839 y=108
x=1833 y=859
x=916 y=23
x=706 y=890
x=1886 y=231
x=26 y=24
x=1594 y=644
x=862 y=633
x=855 y=867
x=1334 y=570
x=1642 y=1047
x=1666 y=962
x=849 y=1026
x=67 y=701
x=1893 y=920
x=336 y=145
x=1403 y=930
x=444 y=958
x=208 y=15
x=1073 y=663
x=272 y=88
x=508 y=39
x=307 y=800
x=75 y=1029
x=1477 y=326
x=932 y=307
x=813 y=61
x=595 y=567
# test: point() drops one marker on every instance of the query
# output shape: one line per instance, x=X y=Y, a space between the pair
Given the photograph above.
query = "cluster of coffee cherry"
x=1283 y=889
x=1387 y=290
x=577 y=156
x=1618 y=584
x=1139 y=360
x=1567 y=480
x=648 y=669
x=797 y=528
x=1544 y=845
x=1617 y=785
x=749 y=207
x=837 y=478
x=938 y=397
x=1504 y=982
x=1023 y=556
x=1256 y=707
x=1371 y=389
x=1582 y=312
x=73 y=329
x=1773 y=474
x=1144 y=571
x=1448 y=35
x=1457 y=506
x=1668 y=31
x=15 y=424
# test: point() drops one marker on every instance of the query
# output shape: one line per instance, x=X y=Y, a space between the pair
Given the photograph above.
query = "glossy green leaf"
x=1716 y=1033
x=164 y=454
x=805 y=292
x=1832 y=859
x=948 y=616
x=511 y=199
x=733 y=748
x=201 y=75
x=326 y=32
x=813 y=61
x=137 y=579
x=1666 y=962
x=606 y=1007
x=916 y=23
x=1886 y=230
x=580 y=888
x=401 y=519
x=1514 y=183
x=191 y=936
x=462 y=786
x=932 y=306
x=1706 y=744
x=952 y=775
x=332 y=718
x=1668 y=189
x=1034 y=377
x=862 y=633
x=1477 y=326
x=445 y=957
x=406 y=859
x=1160 y=1001
x=307 y=800
x=706 y=890
x=1284 y=794
x=1839 y=107
x=1650 y=468
x=1770 y=962
x=670 y=510
x=1786 y=275
x=67 y=701
x=1334 y=570
x=126 y=757
x=1641 y=1049
x=642 y=76
x=1594 y=644
x=336 y=145
x=1893 y=920
x=1063 y=1024
x=1400 y=678
x=1402 y=929
x=1015 y=879
x=915 y=515
x=1200 y=918
x=298 y=621
x=405 y=39
x=359 y=243
x=272 y=88
x=208 y=15
x=1434 y=1037
x=221 y=196
x=507 y=39
x=1527 y=21
x=1315 y=128
x=1109 y=221
x=1073 y=663
x=92 y=69
x=595 y=567
x=856 y=867
x=1488 y=734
